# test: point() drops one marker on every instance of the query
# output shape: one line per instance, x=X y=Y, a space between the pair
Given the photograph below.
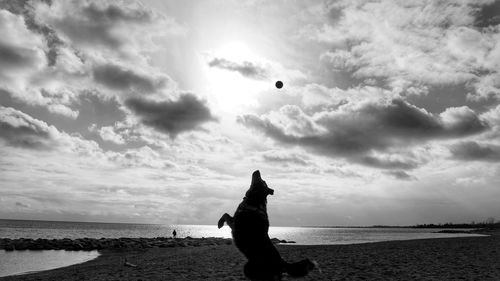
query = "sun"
x=236 y=51
x=231 y=91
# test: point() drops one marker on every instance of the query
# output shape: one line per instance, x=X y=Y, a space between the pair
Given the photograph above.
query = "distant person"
x=174 y=233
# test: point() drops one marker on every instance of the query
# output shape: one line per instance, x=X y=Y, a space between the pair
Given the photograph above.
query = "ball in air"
x=279 y=84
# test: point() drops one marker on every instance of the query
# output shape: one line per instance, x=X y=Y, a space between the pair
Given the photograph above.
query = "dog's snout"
x=271 y=191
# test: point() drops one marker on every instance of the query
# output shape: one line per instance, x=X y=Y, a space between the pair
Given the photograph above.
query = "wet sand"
x=469 y=258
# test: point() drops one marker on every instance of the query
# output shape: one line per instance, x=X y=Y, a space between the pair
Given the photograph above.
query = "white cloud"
x=22 y=130
x=21 y=49
x=108 y=133
x=375 y=133
x=418 y=42
x=141 y=157
x=314 y=95
x=107 y=29
x=23 y=64
x=53 y=52
x=21 y=53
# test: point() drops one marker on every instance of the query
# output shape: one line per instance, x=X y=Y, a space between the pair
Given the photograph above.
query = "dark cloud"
x=95 y=24
x=16 y=57
x=284 y=157
x=22 y=205
x=488 y=15
x=247 y=69
x=113 y=13
x=172 y=116
x=13 y=56
x=21 y=130
x=354 y=131
x=19 y=48
x=24 y=8
x=473 y=151
x=401 y=175
x=93 y=107
x=119 y=78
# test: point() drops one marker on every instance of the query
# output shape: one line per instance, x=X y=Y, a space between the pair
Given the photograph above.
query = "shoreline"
x=89 y=244
x=466 y=258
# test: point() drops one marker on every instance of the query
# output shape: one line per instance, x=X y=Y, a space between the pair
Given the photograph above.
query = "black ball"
x=279 y=84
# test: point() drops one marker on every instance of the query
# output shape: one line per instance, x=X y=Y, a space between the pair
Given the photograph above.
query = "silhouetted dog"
x=249 y=226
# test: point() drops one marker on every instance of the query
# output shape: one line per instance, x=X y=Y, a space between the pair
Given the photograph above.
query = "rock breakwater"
x=89 y=244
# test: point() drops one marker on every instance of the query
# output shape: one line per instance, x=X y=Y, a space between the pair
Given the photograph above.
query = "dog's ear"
x=256 y=177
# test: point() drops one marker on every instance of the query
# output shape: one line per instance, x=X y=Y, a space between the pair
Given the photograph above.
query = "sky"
x=159 y=111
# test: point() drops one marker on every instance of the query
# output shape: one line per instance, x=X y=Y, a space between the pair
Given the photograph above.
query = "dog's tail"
x=301 y=268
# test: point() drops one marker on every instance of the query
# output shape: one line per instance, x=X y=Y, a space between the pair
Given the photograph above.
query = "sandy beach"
x=470 y=258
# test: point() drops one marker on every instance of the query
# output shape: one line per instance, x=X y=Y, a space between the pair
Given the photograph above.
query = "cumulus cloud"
x=141 y=157
x=21 y=52
x=317 y=95
x=284 y=157
x=25 y=9
x=21 y=130
x=91 y=24
x=107 y=133
x=420 y=42
x=355 y=131
x=52 y=52
x=172 y=116
x=245 y=68
x=474 y=151
x=27 y=70
x=118 y=77
x=462 y=121
x=493 y=116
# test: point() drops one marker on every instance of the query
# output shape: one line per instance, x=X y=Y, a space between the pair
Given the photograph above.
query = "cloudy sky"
x=159 y=111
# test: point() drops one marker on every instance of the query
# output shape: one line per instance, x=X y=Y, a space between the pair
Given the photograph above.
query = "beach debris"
x=316 y=265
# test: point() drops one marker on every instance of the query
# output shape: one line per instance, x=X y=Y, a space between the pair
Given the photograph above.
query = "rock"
x=77 y=247
x=88 y=244
x=453 y=231
x=35 y=247
x=23 y=246
x=275 y=240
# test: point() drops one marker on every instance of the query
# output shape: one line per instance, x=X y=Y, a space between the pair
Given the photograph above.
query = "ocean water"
x=301 y=235
x=18 y=262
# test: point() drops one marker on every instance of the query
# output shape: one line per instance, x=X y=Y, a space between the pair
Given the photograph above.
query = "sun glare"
x=236 y=51
x=231 y=90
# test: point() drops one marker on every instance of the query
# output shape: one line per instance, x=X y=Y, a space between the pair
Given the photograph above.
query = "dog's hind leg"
x=257 y=271
x=301 y=268
x=227 y=219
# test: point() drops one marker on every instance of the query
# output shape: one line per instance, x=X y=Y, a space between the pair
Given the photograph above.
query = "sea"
x=22 y=262
x=300 y=235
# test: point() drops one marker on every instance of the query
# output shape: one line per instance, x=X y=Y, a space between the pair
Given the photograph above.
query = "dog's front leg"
x=227 y=219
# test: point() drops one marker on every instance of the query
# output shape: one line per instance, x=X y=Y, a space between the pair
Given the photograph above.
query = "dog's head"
x=258 y=188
